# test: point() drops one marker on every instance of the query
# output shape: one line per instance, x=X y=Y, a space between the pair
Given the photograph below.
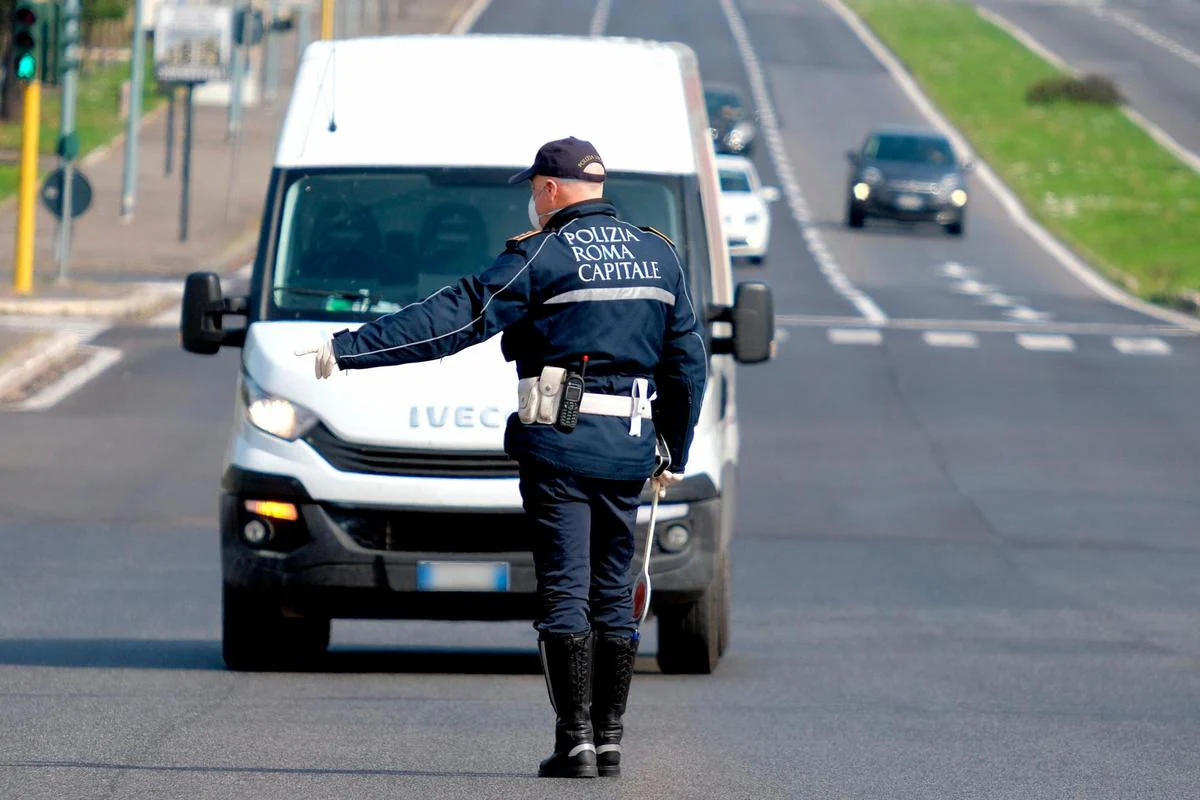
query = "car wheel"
x=955 y=228
x=256 y=636
x=726 y=604
x=689 y=635
x=855 y=218
x=757 y=261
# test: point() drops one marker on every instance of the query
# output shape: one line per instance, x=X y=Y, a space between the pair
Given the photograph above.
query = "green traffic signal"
x=26 y=67
x=24 y=41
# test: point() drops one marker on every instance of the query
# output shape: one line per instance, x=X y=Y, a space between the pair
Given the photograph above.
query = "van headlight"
x=275 y=415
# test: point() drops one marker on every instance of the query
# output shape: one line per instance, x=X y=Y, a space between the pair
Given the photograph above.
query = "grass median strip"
x=1088 y=173
x=97 y=117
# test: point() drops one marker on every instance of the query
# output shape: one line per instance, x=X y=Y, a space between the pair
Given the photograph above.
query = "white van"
x=386 y=493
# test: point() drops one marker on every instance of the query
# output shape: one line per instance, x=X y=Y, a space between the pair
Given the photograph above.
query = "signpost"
x=192 y=45
x=70 y=182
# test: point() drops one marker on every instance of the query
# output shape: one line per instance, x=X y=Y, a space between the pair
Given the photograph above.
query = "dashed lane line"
x=858 y=336
x=1141 y=346
x=983 y=326
x=796 y=201
x=1046 y=342
x=952 y=339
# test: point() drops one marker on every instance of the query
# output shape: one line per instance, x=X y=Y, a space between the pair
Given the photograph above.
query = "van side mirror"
x=752 y=316
x=200 y=324
x=852 y=156
x=770 y=194
x=968 y=164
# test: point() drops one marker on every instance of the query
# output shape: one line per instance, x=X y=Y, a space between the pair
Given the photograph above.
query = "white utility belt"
x=540 y=398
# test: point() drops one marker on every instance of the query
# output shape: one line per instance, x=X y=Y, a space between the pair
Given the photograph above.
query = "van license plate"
x=909 y=202
x=462 y=576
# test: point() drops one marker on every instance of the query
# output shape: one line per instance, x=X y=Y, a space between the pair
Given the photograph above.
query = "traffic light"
x=25 y=40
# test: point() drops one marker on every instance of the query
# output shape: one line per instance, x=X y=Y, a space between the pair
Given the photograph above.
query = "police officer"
x=597 y=316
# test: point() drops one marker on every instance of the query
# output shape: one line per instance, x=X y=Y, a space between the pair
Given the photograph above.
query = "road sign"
x=193 y=44
x=81 y=193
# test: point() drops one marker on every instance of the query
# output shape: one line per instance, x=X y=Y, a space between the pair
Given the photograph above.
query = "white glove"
x=325 y=362
x=660 y=483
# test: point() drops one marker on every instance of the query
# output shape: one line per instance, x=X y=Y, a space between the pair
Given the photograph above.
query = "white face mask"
x=535 y=219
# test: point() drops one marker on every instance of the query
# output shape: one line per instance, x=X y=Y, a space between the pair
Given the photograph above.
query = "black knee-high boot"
x=567 y=664
x=612 y=671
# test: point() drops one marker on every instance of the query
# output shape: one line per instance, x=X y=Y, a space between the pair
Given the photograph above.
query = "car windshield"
x=353 y=244
x=909 y=148
x=724 y=106
x=733 y=180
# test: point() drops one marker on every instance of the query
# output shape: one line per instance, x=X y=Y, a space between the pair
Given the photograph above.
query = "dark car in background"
x=908 y=175
x=731 y=123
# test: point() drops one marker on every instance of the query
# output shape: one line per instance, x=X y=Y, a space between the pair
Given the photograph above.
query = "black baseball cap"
x=565 y=158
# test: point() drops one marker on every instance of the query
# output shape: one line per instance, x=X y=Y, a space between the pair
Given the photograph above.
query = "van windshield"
x=353 y=244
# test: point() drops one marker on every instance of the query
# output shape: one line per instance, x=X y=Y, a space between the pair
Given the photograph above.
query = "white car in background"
x=744 y=213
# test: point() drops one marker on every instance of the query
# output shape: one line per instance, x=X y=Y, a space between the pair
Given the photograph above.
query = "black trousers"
x=583 y=542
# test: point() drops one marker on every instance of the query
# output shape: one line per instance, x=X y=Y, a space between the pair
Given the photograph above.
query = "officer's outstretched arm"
x=452 y=319
x=680 y=377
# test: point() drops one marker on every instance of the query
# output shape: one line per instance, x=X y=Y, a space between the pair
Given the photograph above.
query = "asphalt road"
x=959 y=571
x=1151 y=48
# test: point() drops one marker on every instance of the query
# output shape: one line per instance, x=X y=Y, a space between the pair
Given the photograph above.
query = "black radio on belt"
x=572 y=398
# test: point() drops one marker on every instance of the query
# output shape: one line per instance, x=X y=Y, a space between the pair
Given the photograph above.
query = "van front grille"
x=433 y=531
x=376 y=460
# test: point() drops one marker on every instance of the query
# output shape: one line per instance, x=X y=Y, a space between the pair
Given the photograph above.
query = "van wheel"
x=854 y=217
x=256 y=636
x=689 y=635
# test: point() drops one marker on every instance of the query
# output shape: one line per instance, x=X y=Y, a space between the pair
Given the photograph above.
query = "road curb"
x=142 y=300
x=30 y=360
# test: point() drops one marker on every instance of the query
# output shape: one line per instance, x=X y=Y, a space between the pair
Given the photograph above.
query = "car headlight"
x=872 y=175
x=752 y=219
x=861 y=191
x=958 y=197
x=275 y=415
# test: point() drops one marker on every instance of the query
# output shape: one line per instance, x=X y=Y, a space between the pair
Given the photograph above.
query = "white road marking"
x=973 y=287
x=600 y=18
x=165 y=319
x=1026 y=314
x=1141 y=346
x=952 y=269
x=1046 y=342
x=999 y=299
x=950 y=339
x=787 y=176
x=985 y=326
x=100 y=359
x=868 y=336
x=1156 y=133
x=470 y=17
x=1017 y=212
x=1149 y=34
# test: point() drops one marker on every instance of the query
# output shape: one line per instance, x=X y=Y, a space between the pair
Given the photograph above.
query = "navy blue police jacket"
x=588 y=284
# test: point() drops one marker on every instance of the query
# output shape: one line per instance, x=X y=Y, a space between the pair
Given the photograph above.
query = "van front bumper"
x=343 y=561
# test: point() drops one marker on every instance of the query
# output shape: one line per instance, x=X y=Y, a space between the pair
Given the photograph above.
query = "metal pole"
x=27 y=189
x=133 y=124
x=186 y=165
x=239 y=69
x=66 y=130
x=169 y=158
x=326 y=19
x=303 y=31
x=271 y=72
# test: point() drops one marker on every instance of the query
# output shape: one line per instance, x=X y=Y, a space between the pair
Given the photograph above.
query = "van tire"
x=689 y=635
x=256 y=636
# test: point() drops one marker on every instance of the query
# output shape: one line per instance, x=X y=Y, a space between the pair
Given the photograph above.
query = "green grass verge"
x=96 y=118
x=1089 y=174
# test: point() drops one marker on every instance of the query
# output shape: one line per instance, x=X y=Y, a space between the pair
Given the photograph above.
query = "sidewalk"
x=129 y=270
